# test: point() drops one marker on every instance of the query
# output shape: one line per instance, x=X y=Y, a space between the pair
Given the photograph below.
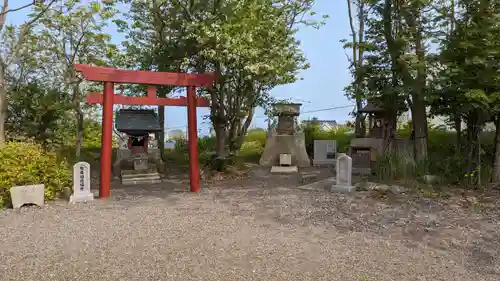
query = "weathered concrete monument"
x=137 y=161
x=285 y=148
x=27 y=194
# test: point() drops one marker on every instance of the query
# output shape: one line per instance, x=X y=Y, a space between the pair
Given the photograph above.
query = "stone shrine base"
x=343 y=188
x=81 y=198
x=285 y=144
x=284 y=169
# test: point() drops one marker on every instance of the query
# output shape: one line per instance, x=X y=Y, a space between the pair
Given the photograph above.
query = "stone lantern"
x=285 y=146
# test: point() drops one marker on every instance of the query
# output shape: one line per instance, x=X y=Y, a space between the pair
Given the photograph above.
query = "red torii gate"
x=110 y=76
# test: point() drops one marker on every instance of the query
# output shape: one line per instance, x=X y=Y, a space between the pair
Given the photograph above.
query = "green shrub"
x=257 y=135
x=25 y=163
x=443 y=160
x=205 y=144
x=251 y=150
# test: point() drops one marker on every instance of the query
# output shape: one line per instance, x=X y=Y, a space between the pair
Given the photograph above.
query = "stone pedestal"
x=286 y=140
x=141 y=163
x=125 y=161
x=294 y=145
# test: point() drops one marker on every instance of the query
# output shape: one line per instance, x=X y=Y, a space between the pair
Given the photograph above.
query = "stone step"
x=140 y=181
x=142 y=176
x=284 y=169
x=135 y=172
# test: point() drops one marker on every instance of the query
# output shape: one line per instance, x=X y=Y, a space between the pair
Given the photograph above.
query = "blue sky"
x=322 y=84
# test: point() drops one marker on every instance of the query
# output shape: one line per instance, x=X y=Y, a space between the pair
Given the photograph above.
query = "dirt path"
x=240 y=231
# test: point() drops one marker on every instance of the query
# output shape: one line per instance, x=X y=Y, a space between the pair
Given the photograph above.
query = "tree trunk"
x=3 y=113
x=496 y=164
x=79 y=130
x=219 y=123
x=458 y=129
x=359 y=123
x=419 y=113
x=79 y=118
x=357 y=62
x=243 y=131
x=419 y=122
x=220 y=139
x=472 y=149
x=389 y=132
x=3 y=89
x=218 y=116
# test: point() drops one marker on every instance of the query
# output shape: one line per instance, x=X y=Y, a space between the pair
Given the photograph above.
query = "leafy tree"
x=355 y=90
x=380 y=73
x=471 y=55
x=8 y=57
x=249 y=43
x=38 y=113
x=72 y=32
x=156 y=40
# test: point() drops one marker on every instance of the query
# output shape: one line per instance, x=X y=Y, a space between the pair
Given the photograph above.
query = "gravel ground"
x=254 y=230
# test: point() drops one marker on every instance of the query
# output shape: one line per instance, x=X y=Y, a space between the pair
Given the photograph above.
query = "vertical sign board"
x=81 y=183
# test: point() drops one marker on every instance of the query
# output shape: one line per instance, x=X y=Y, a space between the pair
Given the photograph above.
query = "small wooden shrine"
x=376 y=120
x=138 y=160
x=364 y=151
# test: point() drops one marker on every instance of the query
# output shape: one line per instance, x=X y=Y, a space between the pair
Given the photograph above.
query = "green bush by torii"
x=26 y=163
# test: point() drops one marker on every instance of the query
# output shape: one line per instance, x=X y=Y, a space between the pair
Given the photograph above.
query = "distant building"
x=326 y=125
x=439 y=122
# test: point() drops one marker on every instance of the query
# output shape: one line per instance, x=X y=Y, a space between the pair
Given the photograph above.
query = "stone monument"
x=81 y=183
x=285 y=144
x=27 y=194
x=325 y=152
x=344 y=174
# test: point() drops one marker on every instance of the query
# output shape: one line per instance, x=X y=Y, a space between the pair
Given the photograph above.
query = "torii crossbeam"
x=110 y=76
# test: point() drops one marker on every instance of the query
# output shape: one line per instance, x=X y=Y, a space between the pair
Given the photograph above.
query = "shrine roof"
x=137 y=121
x=371 y=107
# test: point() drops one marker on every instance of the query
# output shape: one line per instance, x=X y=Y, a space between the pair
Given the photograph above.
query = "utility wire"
x=318 y=110
x=310 y=111
x=327 y=109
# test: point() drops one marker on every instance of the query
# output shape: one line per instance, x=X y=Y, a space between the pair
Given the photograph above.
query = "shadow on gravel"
x=164 y=190
x=416 y=222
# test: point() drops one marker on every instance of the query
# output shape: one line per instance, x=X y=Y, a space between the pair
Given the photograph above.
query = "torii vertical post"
x=194 y=173
x=106 y=139
x=110 y=76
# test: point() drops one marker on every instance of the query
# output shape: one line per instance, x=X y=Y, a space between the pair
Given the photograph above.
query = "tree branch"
x=24 y=29
x=5 y=11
